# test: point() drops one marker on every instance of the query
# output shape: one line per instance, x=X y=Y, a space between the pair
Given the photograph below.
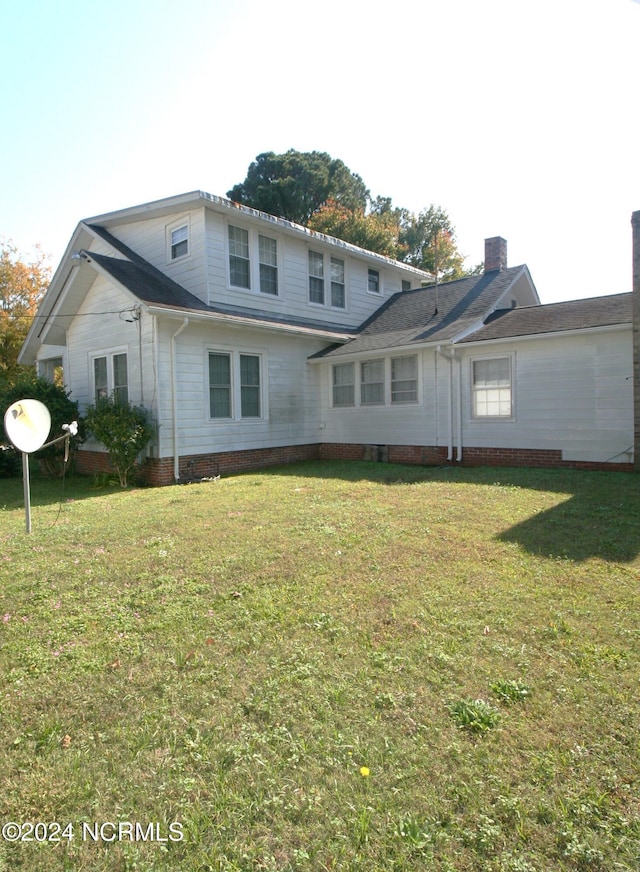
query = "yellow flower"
x=364 y=771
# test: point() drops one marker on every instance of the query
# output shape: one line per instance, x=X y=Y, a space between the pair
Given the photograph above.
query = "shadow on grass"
x=600 y=516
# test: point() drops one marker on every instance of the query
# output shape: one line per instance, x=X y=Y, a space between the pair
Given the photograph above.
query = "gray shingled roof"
x=410 y=317
x=153 y=287
x=555 y=317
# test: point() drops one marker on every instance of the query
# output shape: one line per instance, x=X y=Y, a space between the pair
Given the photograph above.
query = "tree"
x=22 y=286
x=124 y=430
x=295 y=185
x=427 y=241
x=373 y=231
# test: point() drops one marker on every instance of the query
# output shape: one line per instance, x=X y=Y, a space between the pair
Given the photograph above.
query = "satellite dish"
x=27 y=424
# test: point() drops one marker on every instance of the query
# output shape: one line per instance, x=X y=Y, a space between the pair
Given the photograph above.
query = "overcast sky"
x=519 y=117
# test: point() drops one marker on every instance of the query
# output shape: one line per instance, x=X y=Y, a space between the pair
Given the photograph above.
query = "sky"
x=520 y=119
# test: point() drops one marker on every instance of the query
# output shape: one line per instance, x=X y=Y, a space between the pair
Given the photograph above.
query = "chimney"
x=635 y=308
x=495 y=254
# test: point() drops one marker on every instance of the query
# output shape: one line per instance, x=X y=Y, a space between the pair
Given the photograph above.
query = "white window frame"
x=378 y=272
x=412 y=400
x=363 y=363
x=328 y=261
x=345 y=367
x=108 y=355
x=236 y=387
x=474 y=391
x=254 y=260
x=172 y=228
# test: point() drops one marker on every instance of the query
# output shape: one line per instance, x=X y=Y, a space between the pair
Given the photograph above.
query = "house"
x=254 y=341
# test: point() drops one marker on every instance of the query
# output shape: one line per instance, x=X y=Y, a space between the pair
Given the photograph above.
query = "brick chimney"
x=635 y=224
x=495 y=254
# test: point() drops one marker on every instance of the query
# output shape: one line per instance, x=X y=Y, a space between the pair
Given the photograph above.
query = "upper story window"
x=491 y=387
x=177 y=239
x=239 y=271
x=250 y=255
x=406 y=285
x=336 y=296
x=373 y=282
x=110 y=376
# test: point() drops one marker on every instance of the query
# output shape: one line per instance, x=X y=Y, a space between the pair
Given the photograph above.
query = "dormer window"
x=373 y=285
x=179 y=242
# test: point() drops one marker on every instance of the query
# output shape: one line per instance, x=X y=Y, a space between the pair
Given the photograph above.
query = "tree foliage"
x=123 y=429
x=313 y=189
x=22 y=286
x=63 y=410
x=295 y=185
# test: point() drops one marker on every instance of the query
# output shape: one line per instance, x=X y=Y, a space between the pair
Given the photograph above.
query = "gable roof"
x=555 y=317
x=430 y=315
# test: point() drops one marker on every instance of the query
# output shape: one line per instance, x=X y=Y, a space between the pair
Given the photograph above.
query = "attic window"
x=179 y=242
x=373 y=285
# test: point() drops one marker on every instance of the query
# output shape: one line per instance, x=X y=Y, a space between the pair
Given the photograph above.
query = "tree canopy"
x=314 y=189
x=22 y=286
x=295 y=185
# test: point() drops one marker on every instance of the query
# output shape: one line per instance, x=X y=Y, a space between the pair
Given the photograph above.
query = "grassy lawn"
x=323 y=667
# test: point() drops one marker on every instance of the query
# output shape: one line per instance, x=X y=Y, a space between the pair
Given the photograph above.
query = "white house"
x=254 y=341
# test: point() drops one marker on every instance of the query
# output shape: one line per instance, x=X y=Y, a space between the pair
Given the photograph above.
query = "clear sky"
x=519 y=117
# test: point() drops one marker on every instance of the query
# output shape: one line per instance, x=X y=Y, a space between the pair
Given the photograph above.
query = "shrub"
x=123 y=429
x=62 y=409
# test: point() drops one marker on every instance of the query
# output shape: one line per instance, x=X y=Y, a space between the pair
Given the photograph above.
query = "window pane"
x=101 y=388
x=337 y=283
x=120 y=382
x=250 y=386
x=374 y=281
x=316 y=278
x=492 y=388
x=219 y=385
x=343 y=385
x=239 y=257
x=179 y=242
x=268 y=256
x=491 y=373
x=372 y=382
x=404 y=380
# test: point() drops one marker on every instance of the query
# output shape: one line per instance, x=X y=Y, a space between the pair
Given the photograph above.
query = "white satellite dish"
x=27 y=424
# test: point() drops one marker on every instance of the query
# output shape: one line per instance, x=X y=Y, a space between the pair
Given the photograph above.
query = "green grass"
x=291 y=664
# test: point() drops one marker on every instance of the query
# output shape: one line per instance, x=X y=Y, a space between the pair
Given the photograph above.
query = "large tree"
x=22 y=286
x=295 y=185
x=427 y=241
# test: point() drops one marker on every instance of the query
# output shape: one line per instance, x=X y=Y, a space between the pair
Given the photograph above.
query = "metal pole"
x=27 y=490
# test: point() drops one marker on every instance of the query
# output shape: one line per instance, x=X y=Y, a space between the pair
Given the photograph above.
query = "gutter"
x=174 y=399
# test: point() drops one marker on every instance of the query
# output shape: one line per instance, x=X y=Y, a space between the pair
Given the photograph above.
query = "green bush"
x=123 y=429
x=62 y=409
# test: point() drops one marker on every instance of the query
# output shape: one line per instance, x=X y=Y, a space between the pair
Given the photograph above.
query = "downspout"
x=459 y=409
x=448 y=358
x=174 y=392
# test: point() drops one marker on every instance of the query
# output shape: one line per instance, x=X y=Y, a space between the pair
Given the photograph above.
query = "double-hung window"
x=337 y=283
x=344 y=392
x=404 y=379
x=373 y=281
x=492 y=388
x=239 y=262
x=235 y=385
x=316 y=278
x=179 y=242
x=110 y=377
x=268 y=260
x=371 y=382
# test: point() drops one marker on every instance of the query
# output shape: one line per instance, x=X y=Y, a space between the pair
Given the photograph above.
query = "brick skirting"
x=198 y=466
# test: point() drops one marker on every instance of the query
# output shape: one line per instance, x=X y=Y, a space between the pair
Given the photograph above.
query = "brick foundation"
x=195 y=467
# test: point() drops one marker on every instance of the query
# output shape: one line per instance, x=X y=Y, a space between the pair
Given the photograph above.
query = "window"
x=239 y=257
x=374 y=281
x=372 y=382
x=337 y=283
x=406 y=285
x=404 y=380
x=343 y=384
x=316 y=278
x=219 y=385
x=268 y=260
x=179 y=242
x=235 y=385
x=491 y=388
x=110 y=377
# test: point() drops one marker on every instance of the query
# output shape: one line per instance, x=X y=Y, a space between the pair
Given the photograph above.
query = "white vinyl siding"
x=491 y=388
